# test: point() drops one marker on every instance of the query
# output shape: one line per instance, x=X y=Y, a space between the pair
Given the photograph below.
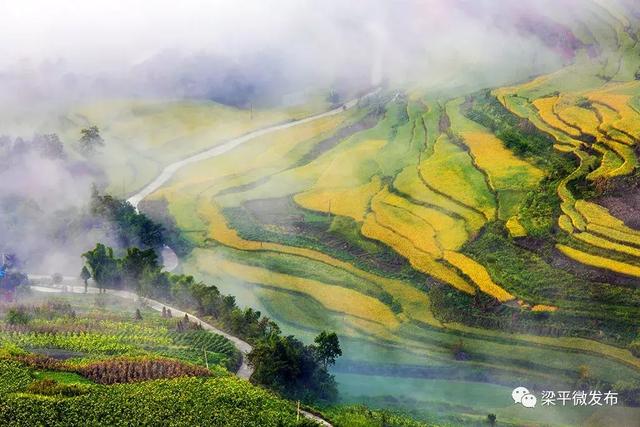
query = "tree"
x=584 y=375
x=50 y=146
x=328 y=348
x=18 y=316
x=102 y=266
x=90 y=140
x=285 y=364
x=492 y=419
x=138 y=262
x=132 y=228
x=12 y=280
x=267 y=327
x=85 y=275
x=11 y=261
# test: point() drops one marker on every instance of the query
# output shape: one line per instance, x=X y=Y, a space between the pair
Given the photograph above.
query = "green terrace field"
x=444 y=239
x=144 y=135
x=460 y=244
x=92 y=327
x=89 y=358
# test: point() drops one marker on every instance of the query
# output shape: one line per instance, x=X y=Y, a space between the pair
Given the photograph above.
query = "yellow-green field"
x=596 y=121
x=395 y=233
x=409 y=184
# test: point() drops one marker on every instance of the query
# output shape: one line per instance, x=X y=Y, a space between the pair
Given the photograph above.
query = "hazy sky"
x=421 y=39
x=123 y=32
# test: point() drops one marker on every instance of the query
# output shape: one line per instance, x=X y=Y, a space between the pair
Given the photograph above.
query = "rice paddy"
x=600 y=262
x=478 y=274
x=351 y=201
x=597 y=123
x=149 y=134
x=371 y=230
x=424 y=208
x=450 y=169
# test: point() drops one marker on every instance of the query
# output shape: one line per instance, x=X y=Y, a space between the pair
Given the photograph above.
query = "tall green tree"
x=136 y=262
x=103 y=267
x=132 y=228
x=328 y=348
x=287 y=365
x=85 y=275
x=90 y=140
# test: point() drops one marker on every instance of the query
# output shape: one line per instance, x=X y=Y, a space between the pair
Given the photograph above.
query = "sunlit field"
x=465 y=223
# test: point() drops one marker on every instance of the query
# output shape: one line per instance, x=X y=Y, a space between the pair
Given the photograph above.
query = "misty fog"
x=261 y=50
x=55 y=54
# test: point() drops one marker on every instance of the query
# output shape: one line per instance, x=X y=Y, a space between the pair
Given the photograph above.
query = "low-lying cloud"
x=261 y=49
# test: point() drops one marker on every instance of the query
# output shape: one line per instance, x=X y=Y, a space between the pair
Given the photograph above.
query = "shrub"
x=18 y=316
x=184 y=401
x=360 y=415
x=54 y=309
x=49 y=387
x=458 y=351
x=13 y=377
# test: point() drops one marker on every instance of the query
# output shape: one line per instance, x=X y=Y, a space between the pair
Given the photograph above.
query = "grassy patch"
x=61 y=377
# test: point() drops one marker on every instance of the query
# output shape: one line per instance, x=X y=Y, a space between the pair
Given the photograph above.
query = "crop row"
x=203 y=340
x=223 y=401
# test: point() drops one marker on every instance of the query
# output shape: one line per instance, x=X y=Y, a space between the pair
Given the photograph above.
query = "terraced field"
x=87 y=360
x=598 y=124
x=144 y=135
x=469 y=230
x=84 y=327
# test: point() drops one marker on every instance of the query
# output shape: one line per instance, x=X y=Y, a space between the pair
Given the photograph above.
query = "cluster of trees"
x=90 y=140
x=298 y=371
x=131 y=228
x=47 y=145
x=137 y=268
x=282 y=363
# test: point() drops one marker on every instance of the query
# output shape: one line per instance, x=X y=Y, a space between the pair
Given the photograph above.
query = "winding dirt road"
x=170 y=260
x=169 y=171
